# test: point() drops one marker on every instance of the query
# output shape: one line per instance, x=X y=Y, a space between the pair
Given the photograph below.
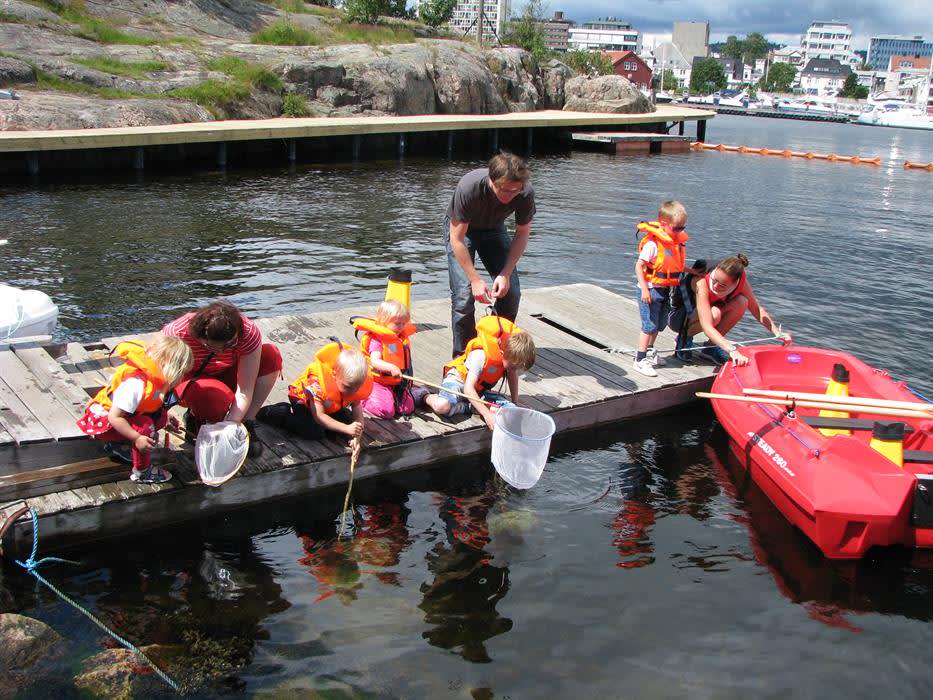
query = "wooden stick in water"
x=843 y=400
x=444 y=388
x=355 y=448
x=872 y=410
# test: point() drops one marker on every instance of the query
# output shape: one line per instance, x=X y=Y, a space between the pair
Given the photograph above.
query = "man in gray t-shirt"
x=475 y=224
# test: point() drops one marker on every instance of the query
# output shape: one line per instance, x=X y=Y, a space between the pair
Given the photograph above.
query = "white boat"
x=25 y=312
x=804 y=106
x=898 y=114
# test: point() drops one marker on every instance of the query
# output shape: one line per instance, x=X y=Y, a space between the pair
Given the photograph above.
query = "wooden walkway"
x=262 y=129
x=46 y=462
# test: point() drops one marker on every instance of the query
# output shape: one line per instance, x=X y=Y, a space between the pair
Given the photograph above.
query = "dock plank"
x=50 y=375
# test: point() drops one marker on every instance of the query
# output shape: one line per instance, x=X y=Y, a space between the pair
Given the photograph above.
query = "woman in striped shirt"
x=233 y=370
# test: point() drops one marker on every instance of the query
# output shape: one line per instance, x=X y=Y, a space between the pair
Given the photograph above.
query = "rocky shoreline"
x=198 y=64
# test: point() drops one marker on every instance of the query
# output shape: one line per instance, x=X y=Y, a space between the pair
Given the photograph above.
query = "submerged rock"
x=120 y=673
x=26 y=647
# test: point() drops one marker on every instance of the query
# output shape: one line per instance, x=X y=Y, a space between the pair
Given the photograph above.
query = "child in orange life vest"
x=385 y=342
x=499 y=348
x=338 y=379
x=660 y=263
x=130 y=408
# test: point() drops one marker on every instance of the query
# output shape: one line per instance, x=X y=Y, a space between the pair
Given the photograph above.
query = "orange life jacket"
x=137 y=364
x=396 y=348
x=321 y=372
x=670 y=261
x=489 y=330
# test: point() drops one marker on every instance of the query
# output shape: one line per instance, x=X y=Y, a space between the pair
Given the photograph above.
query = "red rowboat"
x=843 y=493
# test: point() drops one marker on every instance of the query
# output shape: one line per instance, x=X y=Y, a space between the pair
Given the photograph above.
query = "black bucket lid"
x=399 y=275
x=840 y=373
x=888 y=430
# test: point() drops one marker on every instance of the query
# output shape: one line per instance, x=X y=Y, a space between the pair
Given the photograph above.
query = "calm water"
x=639 y=566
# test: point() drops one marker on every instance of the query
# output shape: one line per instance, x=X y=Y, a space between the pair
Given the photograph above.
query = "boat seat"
x=919 y=456
x=844 y=423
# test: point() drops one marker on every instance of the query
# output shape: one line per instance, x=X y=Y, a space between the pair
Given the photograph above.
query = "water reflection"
x=836 y=593
x=339 y=564
x=460 y=600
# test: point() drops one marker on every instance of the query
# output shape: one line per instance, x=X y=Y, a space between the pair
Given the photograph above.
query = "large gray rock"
x=50 y=110
x=27 y=12
x=13 y=72
x=605 y=93
x=517 y=78
x=554 y=76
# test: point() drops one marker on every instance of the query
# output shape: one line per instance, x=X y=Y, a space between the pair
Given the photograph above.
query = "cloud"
x=781 y=21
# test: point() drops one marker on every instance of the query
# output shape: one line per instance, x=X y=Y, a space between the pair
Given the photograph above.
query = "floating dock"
x=79 y=495
x=289 y=140
x=633 y=142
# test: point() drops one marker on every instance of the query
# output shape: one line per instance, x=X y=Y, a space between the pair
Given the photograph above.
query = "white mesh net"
x=220 y=451
x=520 y=445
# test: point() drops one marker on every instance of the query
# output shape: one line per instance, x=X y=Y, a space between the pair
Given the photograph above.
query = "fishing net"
x=520 y=445
x=220 y=451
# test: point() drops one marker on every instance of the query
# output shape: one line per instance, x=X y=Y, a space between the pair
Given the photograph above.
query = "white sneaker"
x=645 y=367
x=655 y=359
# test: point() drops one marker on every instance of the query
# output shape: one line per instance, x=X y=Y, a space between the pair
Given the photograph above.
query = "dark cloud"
x=787 y=17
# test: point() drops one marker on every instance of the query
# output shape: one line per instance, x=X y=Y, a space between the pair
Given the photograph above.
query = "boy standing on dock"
x=661 y=262
x=475 y=224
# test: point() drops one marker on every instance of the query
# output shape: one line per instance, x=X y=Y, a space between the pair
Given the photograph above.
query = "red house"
x=629 y=65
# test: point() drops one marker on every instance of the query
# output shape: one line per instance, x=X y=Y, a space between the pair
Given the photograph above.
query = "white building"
x=608 y=34
x=823 y=76
x=666 y=56
x=791 y=55
x=829 y=40
x=465 y=19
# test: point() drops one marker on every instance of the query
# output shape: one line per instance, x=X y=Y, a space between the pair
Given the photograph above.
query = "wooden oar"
x=449 y=391
x=843 y=400
x=873 y=410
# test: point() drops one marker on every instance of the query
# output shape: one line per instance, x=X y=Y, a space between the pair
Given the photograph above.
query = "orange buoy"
x=809 y=155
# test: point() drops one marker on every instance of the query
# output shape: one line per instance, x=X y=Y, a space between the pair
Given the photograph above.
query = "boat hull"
x=840 y=492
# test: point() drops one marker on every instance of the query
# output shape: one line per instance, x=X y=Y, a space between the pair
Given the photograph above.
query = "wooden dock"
x=79 y=495
x=286 y=138
x=632 y=142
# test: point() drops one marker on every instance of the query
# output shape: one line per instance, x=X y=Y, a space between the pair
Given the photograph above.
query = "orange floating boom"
x=809 y=155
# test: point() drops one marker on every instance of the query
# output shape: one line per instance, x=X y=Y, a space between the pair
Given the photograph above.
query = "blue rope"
x=918 y=394
x=31 y=564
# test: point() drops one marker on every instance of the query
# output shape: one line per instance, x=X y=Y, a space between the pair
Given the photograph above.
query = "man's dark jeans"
x=492 y=246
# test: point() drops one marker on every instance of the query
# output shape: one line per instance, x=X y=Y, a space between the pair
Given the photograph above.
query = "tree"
x=399 y=8
x=434 y=13
x=851 y=88
x=668 y=81
x=707 y=76
x=366 y=11
x=588 y=62
x=780 y=78
x=755 y=46
x=733 y=48
x=528 y=30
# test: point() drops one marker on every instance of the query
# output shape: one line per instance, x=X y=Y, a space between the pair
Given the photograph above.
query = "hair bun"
x=742 y=259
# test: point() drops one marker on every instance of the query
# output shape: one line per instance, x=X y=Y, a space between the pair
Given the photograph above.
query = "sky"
x=781 y=21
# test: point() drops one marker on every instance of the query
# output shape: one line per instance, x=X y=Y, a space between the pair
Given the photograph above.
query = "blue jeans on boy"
x=654 y=315
x=492 y=246
x=459 y=405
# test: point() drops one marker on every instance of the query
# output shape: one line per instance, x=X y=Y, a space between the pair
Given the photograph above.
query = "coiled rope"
x=31 y=564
